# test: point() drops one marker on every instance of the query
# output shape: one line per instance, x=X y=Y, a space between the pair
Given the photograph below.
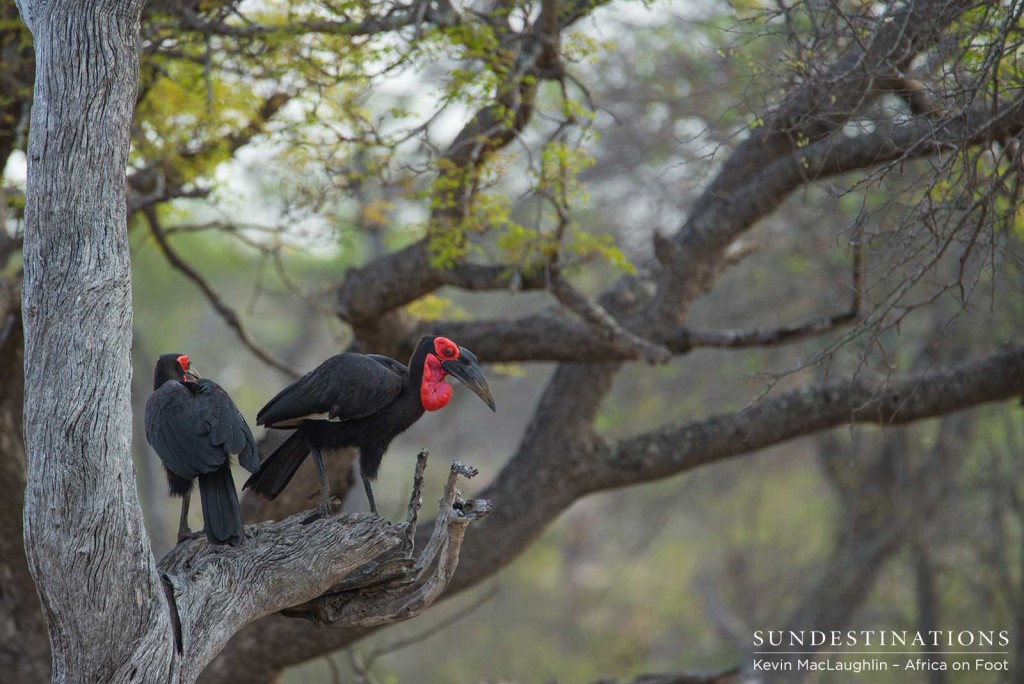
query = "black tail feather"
x=221 y=515
x=280 y=467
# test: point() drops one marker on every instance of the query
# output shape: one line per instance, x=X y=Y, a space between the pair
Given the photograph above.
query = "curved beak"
x=192 y=374
x=467 y=369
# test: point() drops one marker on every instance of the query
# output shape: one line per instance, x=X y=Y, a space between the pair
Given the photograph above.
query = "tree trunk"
x=85 y=541
x=112 y=614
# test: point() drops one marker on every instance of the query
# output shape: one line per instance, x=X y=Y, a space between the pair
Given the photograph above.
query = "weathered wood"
x=409 y=589
x=85 y=541
x=216 y=590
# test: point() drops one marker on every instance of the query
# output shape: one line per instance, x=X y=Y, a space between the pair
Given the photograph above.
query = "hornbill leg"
x=323 y=506
x=183 y=531
x=369 y=495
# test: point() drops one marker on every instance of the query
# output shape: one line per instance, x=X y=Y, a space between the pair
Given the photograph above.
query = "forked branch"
x=226 y=312
x=351 y=570
x=403 y=585
x=602 y=322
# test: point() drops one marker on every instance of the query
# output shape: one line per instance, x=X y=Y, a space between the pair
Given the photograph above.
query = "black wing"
x=396 y=367
x=222 y=423
x=343 y=387
x=196 y=430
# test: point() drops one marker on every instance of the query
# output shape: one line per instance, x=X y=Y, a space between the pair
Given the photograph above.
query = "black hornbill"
x=195 y=428
x=357 y=400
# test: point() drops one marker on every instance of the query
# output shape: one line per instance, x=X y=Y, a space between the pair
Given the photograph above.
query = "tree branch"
x=623 y=340
x=368 y=292
x=770 y=337
x=809 y=114
x=820 y=107
x=399 y=590
x=227 y=314
x=361 y=566
x=554 y=337
x=935 y=392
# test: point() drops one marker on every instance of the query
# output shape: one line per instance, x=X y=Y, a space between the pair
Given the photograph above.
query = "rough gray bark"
x=112 y=614
x=84 y=534
x=348 y=570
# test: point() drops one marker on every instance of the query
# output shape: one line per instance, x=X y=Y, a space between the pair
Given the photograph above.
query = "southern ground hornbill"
x=195 y=428
x=364 y=401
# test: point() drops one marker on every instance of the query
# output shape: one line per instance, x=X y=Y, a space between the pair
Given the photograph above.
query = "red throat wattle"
x=435 y=393
x=184 y=361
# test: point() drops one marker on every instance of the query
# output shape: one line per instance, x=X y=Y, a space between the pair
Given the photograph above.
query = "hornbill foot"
x=185 y=534
x=324 y=509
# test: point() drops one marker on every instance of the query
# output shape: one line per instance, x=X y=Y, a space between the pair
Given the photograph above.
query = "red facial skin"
x=184 y=361
x=435 y=392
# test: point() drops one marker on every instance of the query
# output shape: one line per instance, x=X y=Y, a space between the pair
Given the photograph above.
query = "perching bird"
x=365 y=401
x=195 y=428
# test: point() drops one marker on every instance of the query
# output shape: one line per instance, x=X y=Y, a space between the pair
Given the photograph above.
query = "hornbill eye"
x=448 y=352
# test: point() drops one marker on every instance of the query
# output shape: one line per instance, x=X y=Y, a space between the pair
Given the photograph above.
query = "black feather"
x=195 y=428
x=346 y=386
x=220 y=506
x=278 y=469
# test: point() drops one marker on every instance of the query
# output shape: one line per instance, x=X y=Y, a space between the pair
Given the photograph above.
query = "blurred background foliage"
x=925 y=523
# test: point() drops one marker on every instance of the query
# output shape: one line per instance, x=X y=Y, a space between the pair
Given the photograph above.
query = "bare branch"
x=817 y=109
x=810 y=113
x=227 y=314
x=394 y=591
x=553 y=337
x=789 y=333
x=771 y=336
x=626 y=341
x=689 y=264
x=415 y=502
x=913 y=397
x=482 y=277
x=216 y=590
x=917 y=96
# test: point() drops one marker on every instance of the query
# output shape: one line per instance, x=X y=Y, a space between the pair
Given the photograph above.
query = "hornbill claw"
x=324 y=509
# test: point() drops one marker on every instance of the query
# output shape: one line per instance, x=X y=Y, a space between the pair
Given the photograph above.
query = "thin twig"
x=415 y=503
x=593 y=313
x=228 y=314
x=361 y=670
x=770 y=336
x=788 y=334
